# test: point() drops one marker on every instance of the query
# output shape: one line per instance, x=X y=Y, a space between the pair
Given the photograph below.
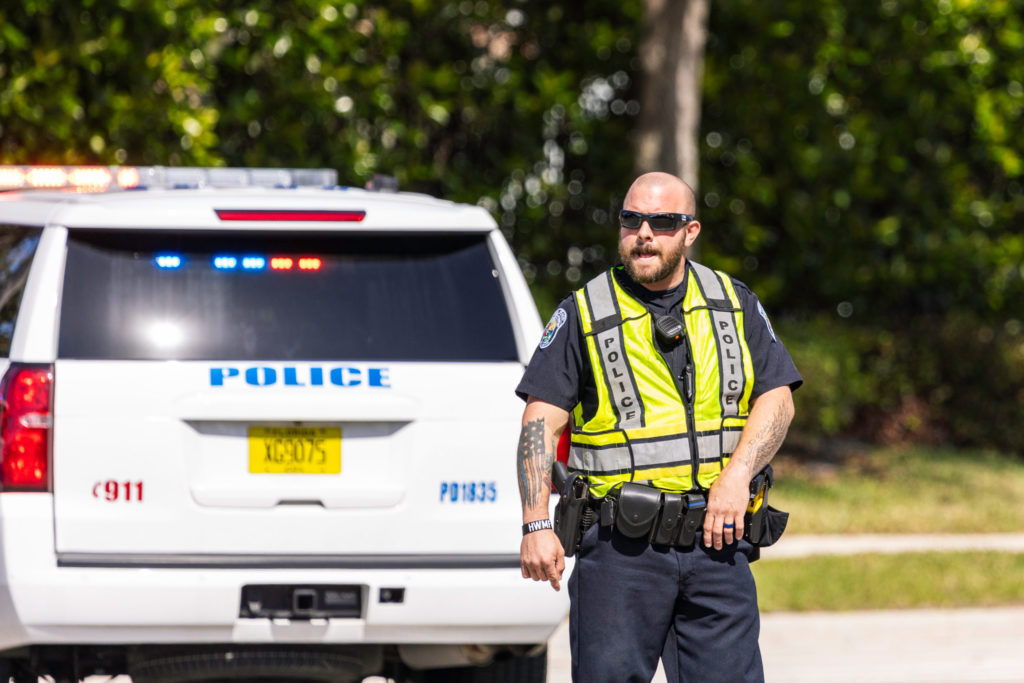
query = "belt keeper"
x=692 y=518
x=607 y=514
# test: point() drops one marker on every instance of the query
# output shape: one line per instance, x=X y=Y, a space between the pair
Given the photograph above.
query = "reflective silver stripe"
x=709 y=447
x=730 y=362
x=625 y=395
x=727 y=339
x=709 y=281
x=601 y=297
x=730 y=440
x=646 y=454
x=599 y=460
x=661 y=452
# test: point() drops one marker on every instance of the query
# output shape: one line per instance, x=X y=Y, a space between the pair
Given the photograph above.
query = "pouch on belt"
x=667 y=528
x=637 y=510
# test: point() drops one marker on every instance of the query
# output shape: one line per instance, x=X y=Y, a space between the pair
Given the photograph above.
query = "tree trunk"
x=672 y=62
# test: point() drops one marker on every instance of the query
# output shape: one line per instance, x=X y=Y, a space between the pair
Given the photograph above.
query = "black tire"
x=504 y=669
x=266 y=666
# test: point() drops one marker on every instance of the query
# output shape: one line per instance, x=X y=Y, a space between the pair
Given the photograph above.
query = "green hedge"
x=956 y=379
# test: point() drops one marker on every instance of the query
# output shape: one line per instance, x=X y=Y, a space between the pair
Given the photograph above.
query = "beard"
x=669 y=262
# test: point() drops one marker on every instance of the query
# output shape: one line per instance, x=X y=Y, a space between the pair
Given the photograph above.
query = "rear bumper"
x=42 y=602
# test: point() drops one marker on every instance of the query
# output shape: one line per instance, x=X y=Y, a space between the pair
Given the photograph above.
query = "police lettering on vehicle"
x=291 y=376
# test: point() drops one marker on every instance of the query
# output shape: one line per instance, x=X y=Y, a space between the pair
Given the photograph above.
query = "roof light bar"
x=103 y=178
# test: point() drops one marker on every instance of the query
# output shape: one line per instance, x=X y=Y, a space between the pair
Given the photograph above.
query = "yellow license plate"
x=295 y=450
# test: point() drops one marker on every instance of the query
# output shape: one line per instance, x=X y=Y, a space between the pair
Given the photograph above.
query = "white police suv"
x=256 y=426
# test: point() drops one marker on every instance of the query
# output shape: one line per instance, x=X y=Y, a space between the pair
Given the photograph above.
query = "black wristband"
x=536 y=525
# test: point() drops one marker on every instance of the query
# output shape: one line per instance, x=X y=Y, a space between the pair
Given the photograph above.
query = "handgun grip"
x=559 y=476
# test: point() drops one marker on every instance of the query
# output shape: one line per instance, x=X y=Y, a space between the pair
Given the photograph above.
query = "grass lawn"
x=894 y=491
x=858 y=582
x=908 y=490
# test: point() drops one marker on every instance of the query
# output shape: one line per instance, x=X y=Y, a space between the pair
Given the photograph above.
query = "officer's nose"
x=645 y=233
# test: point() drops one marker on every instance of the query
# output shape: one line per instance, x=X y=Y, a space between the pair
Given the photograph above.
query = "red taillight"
x=289 y=215
x=25 y=422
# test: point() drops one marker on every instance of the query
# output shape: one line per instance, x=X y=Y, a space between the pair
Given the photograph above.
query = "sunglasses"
x=632 y=220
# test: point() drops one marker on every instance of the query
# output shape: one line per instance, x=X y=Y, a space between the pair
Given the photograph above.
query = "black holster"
x=570 y=510
x=763 y=524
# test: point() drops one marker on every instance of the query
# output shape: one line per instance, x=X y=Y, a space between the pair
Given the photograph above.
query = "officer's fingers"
x=709 y=527
x=714 y=538
x=532 y=569
x=539 y=568
x=554 y=576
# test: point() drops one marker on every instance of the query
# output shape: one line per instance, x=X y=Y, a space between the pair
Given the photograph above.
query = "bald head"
x=657 y=191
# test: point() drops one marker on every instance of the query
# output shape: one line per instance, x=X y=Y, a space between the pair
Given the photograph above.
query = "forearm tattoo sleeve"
x=535 y=458
x=768 y=439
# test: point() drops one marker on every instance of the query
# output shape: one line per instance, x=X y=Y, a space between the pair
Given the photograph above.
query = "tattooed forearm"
x=534 y=462
x=768 y=438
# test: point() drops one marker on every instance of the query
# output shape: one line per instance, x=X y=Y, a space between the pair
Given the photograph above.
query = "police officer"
x=702 y=412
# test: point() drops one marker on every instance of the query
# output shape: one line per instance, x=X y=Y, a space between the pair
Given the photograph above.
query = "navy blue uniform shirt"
x=559 y=372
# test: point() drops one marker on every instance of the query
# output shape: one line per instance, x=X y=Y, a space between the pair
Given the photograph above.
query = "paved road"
x=906 y=646
x=885 y=646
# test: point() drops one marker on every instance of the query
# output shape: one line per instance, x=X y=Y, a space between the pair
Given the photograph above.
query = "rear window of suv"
x=187 y=296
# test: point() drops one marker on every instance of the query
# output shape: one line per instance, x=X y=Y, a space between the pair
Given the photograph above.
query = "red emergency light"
x=289 y=215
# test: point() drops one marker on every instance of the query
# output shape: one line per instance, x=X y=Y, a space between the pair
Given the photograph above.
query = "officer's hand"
x=541 y=557
x=727 y=503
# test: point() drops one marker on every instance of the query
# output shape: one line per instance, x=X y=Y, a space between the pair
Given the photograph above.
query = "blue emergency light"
x=168 y=261
x=225 y=262
x=254 y=262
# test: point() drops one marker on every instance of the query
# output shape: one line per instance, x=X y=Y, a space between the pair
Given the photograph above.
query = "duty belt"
x=662 y=517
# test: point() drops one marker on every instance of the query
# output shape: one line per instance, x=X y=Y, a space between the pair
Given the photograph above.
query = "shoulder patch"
x=767 y=322
x=554 y=325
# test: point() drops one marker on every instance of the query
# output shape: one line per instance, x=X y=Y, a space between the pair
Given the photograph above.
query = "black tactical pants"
x=632 y=603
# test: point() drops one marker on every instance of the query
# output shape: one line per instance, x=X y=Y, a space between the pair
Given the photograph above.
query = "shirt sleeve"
x=553 y=374
x=773 y=366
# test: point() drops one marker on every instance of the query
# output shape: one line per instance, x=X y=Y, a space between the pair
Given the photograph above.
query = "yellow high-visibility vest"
x=645 y=429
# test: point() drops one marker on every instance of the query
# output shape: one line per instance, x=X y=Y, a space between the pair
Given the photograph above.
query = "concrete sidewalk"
x=801 y=545
x=905 y=646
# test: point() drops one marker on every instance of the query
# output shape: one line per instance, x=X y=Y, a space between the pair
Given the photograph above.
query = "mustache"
x=645 y=249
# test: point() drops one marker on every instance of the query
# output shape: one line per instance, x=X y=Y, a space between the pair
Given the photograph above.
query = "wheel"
x=504 y=669
x=265 y=666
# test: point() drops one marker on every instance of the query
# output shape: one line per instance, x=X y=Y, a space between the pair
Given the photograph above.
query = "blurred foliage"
x=859 y=161
x=523 y=107
x=956 y=379
x=861 y=157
